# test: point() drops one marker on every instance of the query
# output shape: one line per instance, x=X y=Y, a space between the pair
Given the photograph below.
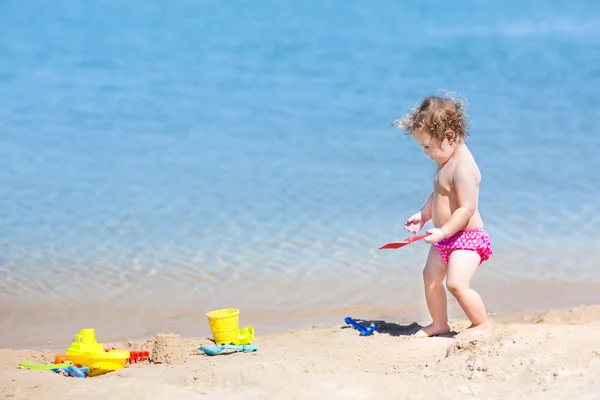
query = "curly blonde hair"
x=436 y=116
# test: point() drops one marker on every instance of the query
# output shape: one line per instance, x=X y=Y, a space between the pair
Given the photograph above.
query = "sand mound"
x=167 y=349
x=577 y=315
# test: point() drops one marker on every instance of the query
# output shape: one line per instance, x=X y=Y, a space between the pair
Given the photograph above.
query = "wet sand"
x=53 y=322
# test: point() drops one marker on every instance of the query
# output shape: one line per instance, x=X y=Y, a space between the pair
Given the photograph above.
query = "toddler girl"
x=459 y=242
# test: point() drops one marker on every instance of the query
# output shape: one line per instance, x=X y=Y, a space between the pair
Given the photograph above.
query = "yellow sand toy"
x=245 y=336
x=224 y=325
x=86 y=351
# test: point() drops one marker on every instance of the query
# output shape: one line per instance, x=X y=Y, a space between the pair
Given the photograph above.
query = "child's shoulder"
x=466 y=167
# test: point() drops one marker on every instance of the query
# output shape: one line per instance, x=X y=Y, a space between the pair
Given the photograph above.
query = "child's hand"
x=414 y=223
x=435 y=235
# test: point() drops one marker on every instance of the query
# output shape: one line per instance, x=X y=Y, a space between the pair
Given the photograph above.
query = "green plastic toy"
x=45 y=367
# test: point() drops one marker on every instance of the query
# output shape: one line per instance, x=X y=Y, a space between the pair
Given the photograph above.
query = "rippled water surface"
x=241 y=153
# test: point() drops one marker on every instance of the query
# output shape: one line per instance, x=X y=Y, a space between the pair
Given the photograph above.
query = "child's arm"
x=420 y=218
x=426 y=209
x=466 y=186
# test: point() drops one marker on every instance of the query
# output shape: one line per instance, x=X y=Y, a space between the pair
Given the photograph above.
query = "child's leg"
x=433 y=276
x=461 y=268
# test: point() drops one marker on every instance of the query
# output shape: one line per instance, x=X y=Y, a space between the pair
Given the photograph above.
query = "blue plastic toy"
x=214 y=350
x=364 y=330
x=74 y=371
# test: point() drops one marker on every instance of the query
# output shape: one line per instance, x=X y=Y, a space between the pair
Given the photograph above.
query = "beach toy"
x=364 y=330
x=245 y=336
x=100 y=363
x=85 y=342
x=66 y=367
x=214 y=350
x=60 y=359
x=224 y=325
x=138 y=356
x=76 y=372
x=45 y=367
x=86 y=351
x=397 y=245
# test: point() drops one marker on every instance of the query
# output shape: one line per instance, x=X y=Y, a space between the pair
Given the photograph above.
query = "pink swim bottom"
x=476 y=240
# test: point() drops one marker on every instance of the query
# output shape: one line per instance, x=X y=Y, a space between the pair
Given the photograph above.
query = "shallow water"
x=242 y=154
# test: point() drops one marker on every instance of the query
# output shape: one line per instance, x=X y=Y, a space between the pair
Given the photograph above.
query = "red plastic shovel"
x=397 y=245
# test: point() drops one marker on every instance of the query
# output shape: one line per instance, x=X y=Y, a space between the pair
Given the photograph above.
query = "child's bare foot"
x=433 y=330
x=476 y=330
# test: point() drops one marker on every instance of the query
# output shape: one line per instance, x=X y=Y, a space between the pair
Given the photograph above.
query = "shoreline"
x=532 y=358
x=52 y=323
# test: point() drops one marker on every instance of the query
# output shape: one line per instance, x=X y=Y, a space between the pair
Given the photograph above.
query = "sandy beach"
x=162 y=160
x=553 y=355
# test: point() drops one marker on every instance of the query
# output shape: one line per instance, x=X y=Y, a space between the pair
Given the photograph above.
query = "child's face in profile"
x=440 y=152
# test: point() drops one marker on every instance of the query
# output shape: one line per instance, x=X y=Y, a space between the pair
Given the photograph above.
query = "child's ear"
x=450 y=135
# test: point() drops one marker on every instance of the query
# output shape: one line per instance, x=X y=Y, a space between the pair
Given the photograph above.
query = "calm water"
x=242 y=153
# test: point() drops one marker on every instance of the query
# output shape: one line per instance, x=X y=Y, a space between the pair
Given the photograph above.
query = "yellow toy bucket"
x=224 y=325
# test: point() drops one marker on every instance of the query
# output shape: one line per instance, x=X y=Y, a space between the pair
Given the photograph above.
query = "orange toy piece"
x=59 y=359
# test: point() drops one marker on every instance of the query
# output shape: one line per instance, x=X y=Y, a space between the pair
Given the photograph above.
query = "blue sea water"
x=243 y=151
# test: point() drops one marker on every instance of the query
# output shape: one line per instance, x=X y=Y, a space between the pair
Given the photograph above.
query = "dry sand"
x=555 y=355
